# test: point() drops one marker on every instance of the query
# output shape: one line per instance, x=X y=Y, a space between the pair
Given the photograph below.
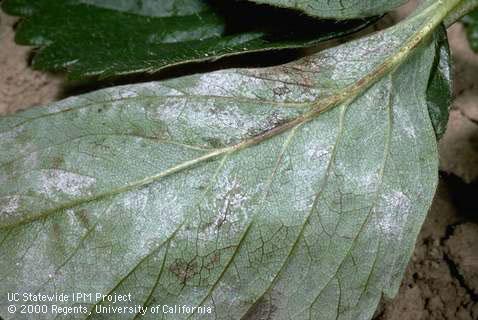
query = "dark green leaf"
x=289 y=192
x=471 y=24
x=338 y=9
x=440 y=88
x=89 y=40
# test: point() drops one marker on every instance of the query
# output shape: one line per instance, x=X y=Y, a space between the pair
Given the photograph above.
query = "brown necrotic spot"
x=263 y=309
x=82 y=216
x=57 y=162
x=184 y=270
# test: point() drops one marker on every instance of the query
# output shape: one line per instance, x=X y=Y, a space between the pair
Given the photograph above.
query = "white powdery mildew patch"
x=11 y=134
x=169 y=112
x=230 y=197
x=226 y=84
x=9 y=205
x=172 y=211
x=135 y=221
x=184 y=35
x=410 y=132
x=229 y=208
x=231 y=202
x=342 y=60
x=10 y=138
x=316 y=151
x=287 y=87
x=135 y=201
x=123 y=92
x=53 y=182
x=398 y=207
x=368 y=182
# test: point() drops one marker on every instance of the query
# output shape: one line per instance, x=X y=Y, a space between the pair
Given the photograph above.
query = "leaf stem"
x=464 y=8
x=441 y=9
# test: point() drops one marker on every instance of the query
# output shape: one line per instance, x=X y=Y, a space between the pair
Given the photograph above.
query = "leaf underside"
x=107 y=38
x=338 y=9
x=233 y=189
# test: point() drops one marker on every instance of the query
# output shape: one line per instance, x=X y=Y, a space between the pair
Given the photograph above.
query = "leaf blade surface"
x=344 y=9
x=295 y=190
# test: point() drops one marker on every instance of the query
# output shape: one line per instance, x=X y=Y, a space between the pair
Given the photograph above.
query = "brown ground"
x=20 y=86
x=442 y=279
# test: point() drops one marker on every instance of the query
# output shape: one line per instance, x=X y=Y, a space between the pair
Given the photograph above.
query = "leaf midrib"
x=440 y=10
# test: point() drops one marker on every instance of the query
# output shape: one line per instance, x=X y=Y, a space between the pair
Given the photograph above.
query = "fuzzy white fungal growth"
x=58 y=181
